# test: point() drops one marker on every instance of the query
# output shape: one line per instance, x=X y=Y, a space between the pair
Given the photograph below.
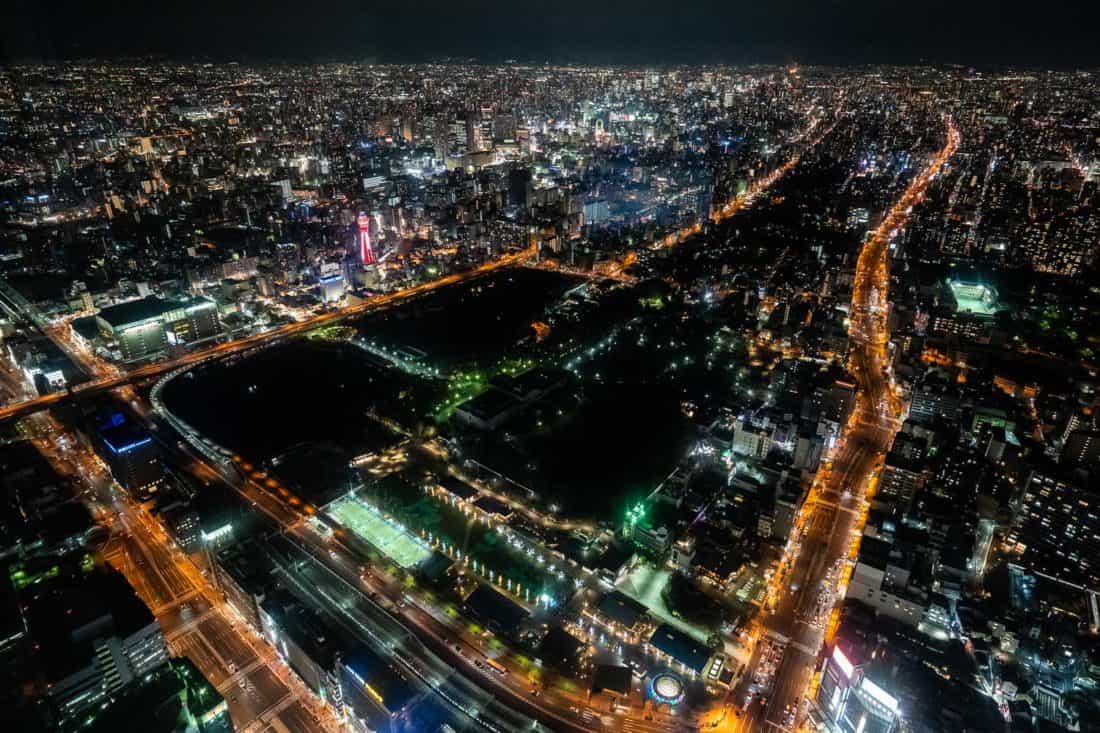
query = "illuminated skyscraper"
x=441 y=136
x=366 y=252
x=848 y=698
x=133 y=458
x=474 y=134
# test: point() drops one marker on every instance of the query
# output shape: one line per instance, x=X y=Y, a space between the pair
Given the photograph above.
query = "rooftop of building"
x=492 y=505
x=217 y=506
x=67 y=613
x=304 y=627
x=22 y=464
x=435 y=568
x=875 y=552
x=458 y=487
x=530 y=383
x=248 y=566
x=622 y=609
x=124 y=438
x=612 y=559
x=388 y=686
x=681 y=647
x=489 y=404
x=86 y=327
x=611 y=678
x=495 y=609
x=561 y=649
x=131 y=312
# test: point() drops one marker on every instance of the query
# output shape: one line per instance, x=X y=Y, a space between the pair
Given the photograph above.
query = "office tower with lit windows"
x=849 y=700
x=133 y=458
x=366 y=249
x=441 y=136
x=474 y=139
x=93 y=637
x=1067 y=246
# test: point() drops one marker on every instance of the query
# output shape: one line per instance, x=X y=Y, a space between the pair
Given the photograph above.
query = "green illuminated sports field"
x=389 y=538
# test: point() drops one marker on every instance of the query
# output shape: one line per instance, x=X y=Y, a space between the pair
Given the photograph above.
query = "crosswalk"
x=176 y=602
x=238 y=677
x=191 y=625
x=266 y=718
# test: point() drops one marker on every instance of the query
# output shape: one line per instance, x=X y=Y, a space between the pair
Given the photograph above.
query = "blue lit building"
x=376 y=694
x=133 y=457
x=332 y=287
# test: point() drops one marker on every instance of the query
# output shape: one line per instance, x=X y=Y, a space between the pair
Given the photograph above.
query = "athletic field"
x=391 y=539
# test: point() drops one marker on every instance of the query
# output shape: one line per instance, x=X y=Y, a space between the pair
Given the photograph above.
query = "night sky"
x=1048 y=33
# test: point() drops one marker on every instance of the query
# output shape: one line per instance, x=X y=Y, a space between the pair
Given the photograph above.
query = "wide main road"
x=832 y=518
x=259 y=689
x=25 y=407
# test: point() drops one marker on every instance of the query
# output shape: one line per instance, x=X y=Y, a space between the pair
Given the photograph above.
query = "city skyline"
x=351 y=397
x=984 y=34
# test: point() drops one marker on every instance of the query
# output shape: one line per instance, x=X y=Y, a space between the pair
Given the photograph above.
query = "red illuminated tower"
x=366 y=252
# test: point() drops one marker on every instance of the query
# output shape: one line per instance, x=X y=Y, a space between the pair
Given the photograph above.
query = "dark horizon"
x=980 y=34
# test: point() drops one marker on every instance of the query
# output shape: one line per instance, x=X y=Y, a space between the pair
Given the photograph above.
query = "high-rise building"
x=366 y=250
x=182 y=520
x=900 y=480
x=94 y=636
x=1062 y=248
x=441 y=136
x=243 y=573
x=474 y=140
x=487 y=120
x=1082 y=448
x=332 y=287
x=1056 y=534
x=596 y=212
x=837 y=402
x=930 y=403
x=848 y=697
x=504 y=127
x=133 y=458
x=305 y=642
x=519 y=183
x=376 y=694
x=331 y=281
